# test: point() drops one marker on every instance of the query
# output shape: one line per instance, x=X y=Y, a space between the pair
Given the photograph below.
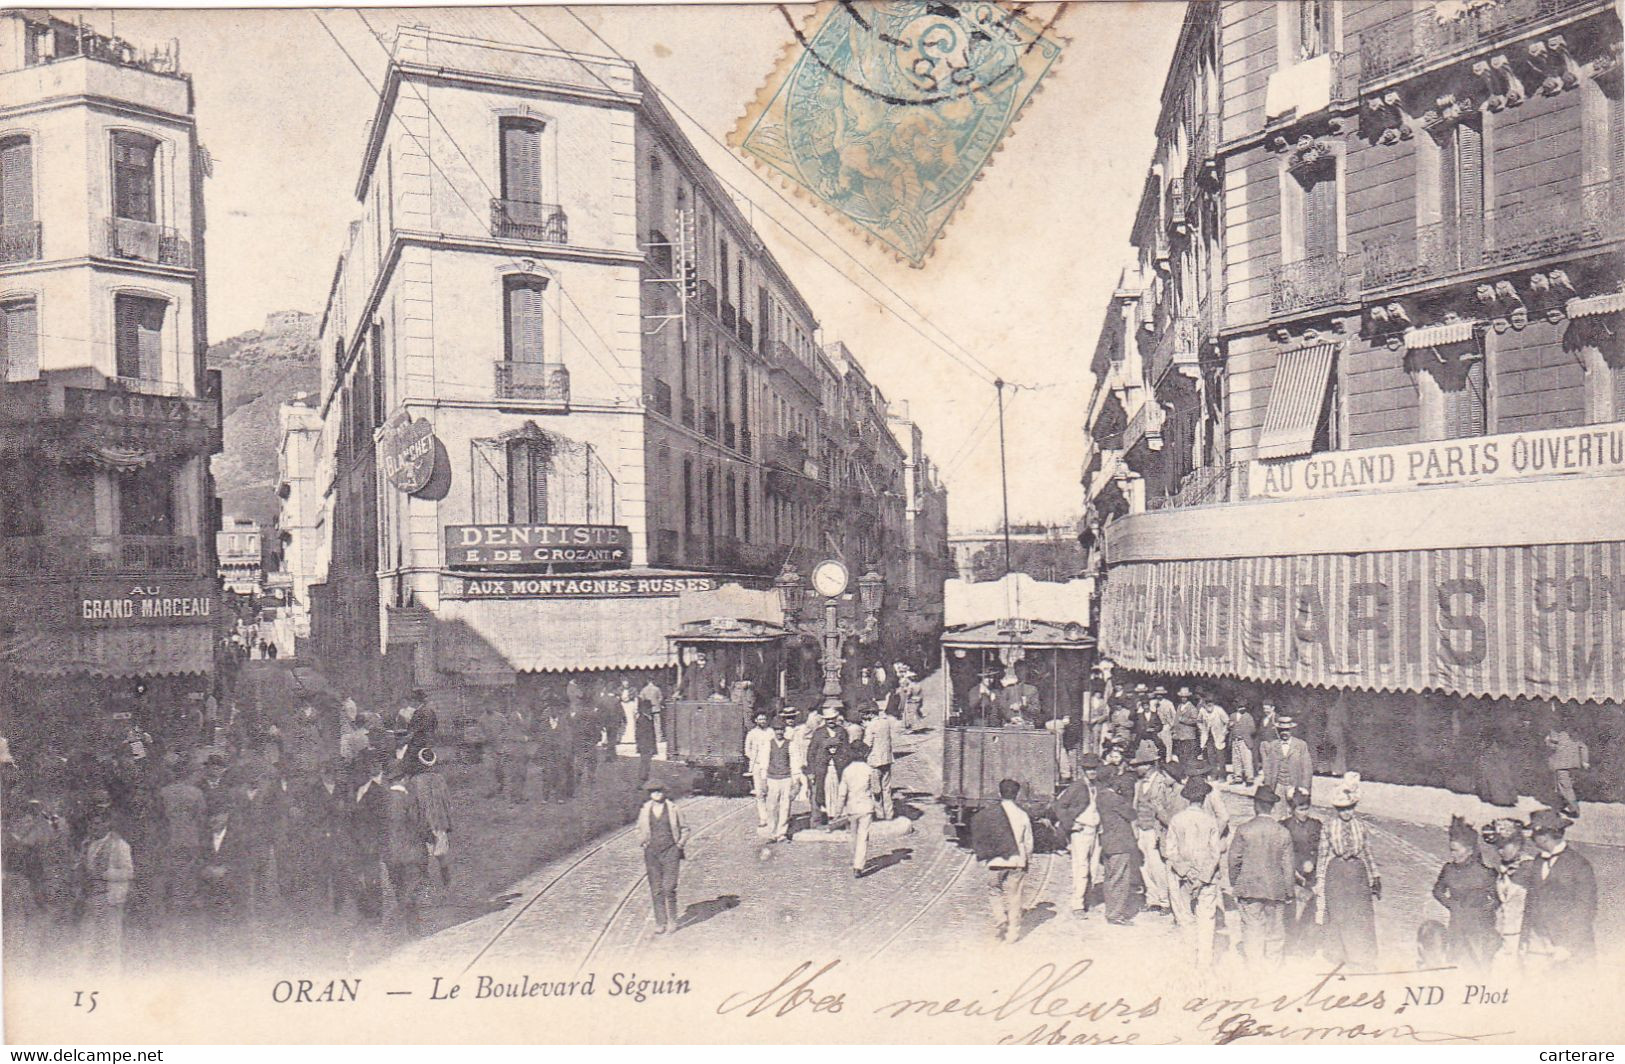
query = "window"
x=528 y=464
x=377 y=382
x=1461 y=193
x=522 y=160
x=523 y=298
x=688 y=496
x=146 y=502
x=1464 y=398
x=1320 y=212
x=657 y=191
x=138 y=336
x=745 y=504
x=16 y=188
x=1311 y=28
x=134 y=181
x=23 y=491
x=722 y=268
x=19 y=340
x=733 y=505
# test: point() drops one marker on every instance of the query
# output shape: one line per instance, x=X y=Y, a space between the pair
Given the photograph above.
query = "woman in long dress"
x=1351 y=882
x=1467 y=888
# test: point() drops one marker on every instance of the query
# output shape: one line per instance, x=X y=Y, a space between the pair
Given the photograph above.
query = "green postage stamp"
x=887 y=112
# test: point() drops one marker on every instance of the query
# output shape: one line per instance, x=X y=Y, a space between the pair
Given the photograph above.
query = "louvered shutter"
x=522 y=161
x=525 y=322
x=1320 y=217
x=149 y=338
x=490 y=483
x=127 y=343
x=518 y=482
x=1464 y=406
x=16 y=182
x=133 y=178
x=1470 y=193
x=19 y=342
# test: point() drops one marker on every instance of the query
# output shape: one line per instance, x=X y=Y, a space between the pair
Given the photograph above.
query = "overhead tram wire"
x=974 y=365
x=970 y=448
x=613 y=375
x=966 y=441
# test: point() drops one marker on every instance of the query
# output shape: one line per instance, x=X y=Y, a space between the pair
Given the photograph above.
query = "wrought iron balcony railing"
x=708 y=296
x=126 y=238
x=537 y=223
x=547 y=382
x=20 y=242
x=1212 y=485
x=708 y=424
x=1311 y=283
x=146 y=386
x=1175 y=205
x=31 y=556
x=1418 y=37
x=747 y=335
x=1176 y=346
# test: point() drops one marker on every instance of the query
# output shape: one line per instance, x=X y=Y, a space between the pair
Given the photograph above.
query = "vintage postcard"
x=879 y=522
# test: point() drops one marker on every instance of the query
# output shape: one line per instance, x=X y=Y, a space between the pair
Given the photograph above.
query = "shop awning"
x=553 y=635
x=1296 y=400
x=1611 y=303
x=157 y=651
x=1450 y=332
x=1495 y=622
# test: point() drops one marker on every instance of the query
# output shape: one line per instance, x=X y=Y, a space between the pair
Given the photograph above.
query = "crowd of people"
x=1148 y=831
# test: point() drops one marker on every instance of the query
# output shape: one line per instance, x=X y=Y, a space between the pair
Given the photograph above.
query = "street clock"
x=829 y=578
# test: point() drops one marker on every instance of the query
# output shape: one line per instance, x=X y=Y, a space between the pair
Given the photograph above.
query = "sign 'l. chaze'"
x=406 y=452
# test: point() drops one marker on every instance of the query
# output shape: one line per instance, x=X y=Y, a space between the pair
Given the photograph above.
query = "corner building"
x=624 y=395
x=1399 y=511
x=108 y=602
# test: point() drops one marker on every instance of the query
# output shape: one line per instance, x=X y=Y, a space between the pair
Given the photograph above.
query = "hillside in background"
x=260 y=370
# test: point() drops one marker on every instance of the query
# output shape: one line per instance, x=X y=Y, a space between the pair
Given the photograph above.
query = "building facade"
x=563 y=382
x=108 y=600
x=1405 y=528
x=239 y=556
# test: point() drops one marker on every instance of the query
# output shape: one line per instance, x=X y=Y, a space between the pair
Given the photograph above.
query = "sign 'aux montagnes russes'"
x=558 y=547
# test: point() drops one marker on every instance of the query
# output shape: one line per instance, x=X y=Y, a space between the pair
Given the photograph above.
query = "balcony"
x=34 y=556
x=1313 y=283
x=1520 y=232
x=747 y=335
x=745 y=442
x=708 y=424
x=786 y=361
x=1146 y=424
x=728 y=434
x=658 y=252
x=1202 y=165
x=534 y=223
x=20 y=242
x=1175 y=205
x=707 y=293
x=1207 y=486
x=786 y=452
x=145 y=386
x=730 y=316
x=542 y=382
x=126 y=238
x=688 y=412
x=763 y=558
x=660 y=398
x=1176 y=346
x=1418 y=38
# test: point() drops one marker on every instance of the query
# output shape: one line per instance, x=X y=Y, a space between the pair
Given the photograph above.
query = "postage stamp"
x=886 y=113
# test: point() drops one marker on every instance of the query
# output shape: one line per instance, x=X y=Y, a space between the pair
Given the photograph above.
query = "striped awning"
x=1296 y=400
x=504 y=636
x=1610 y=303
x=1450 y=332
x=114 y=652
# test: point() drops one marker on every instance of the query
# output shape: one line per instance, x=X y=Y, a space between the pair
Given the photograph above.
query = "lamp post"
x=830 y=580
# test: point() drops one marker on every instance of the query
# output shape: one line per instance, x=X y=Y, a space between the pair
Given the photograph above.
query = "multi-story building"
x=927 y=563
x=1409 y=535
x=563 y=381
x=108 y=601
x=239 y=554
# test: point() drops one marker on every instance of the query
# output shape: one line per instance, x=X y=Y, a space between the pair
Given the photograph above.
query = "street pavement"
x=925 y=895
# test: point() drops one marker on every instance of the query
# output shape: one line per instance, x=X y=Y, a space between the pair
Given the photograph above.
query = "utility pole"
x=1004 y=474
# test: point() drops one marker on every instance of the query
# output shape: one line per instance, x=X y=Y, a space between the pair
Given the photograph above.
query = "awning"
x=1296 y=400
x=154 y=651
x=1611 y=303
x=553 y=635
x=1450 y=332
x=1494 y=622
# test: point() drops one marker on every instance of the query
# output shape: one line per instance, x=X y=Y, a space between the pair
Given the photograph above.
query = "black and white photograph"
x=884 y=521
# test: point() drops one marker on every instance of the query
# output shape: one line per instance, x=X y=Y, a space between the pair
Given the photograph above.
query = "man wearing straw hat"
x=1286 y=766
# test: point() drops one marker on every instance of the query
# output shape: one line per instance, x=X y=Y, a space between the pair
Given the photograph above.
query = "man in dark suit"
x=1560 y=916
x=555 y=741
x=1119 y=847
x=1300 y=914
x=1261 y=878
x=829 y=745
x=414 y=727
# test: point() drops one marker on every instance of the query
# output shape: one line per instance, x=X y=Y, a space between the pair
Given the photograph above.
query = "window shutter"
x=1619 y=391
x=540 y=469
x=525 y=321
x=490 y=483
x=1470 y=192
x=1320 y=217
x=133 y=157
x=127 y=342
x=522 y=160
x=149 y=335
x=19 y=342
x=16 y=182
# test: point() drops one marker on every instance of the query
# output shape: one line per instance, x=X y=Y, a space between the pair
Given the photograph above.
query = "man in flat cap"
x=1261 y=877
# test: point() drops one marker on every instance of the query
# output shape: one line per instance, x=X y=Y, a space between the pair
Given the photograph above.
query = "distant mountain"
x=259 y=371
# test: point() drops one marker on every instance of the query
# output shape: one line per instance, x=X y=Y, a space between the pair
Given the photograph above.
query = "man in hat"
x=367 y=827
x=1119 y=848
x=433 y=798
x=185 y=814
x=414 y=726
x=506 y=733
x=1243 y=740
x=784 y=765
x=302 y=747
x=404 y=852
x=1566 y=755
x=586 y=733
x=662 y=835
x=880 y=737
x=1559 y=919
x=1019 y=700
x=108 y=871
x=1513 y=860
x=1261 y=877
x=983 y=707
x=555 y=741
x=1186 y=728
x=329 y=800
x=1078 y=814
x=1154 y=798
x=756 y=740
x=1192 y=849
x=1002 y=836
x=912 y=694
x=858 y=792
x=1300 y=914
x=828 y=749
x=1287 y=768
x=259 y=817
x=1215 y=732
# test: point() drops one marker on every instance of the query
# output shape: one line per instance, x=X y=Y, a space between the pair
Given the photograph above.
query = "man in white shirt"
x=756 y=741
x=108 y=871
x=880 y=736
x=1003 y=839
x=1191 y=849
x=857 y=793
x=784 y=765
